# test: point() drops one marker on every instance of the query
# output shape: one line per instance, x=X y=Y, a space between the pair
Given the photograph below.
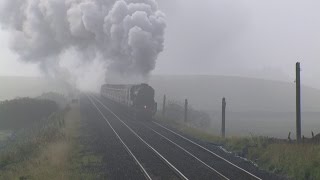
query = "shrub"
x=22 y=112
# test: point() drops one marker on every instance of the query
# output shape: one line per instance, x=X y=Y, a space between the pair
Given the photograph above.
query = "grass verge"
x=49 y=150
x=297 y=161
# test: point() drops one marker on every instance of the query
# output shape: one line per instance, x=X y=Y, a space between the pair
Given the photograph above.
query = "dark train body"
x=138 y=99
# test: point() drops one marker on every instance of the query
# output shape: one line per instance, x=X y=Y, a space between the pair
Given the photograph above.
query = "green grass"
x=4 y=134
x=52 y=149
x=28 y=144
x=298 y=161
x=301 y=161
x=80 y=159
x=83 y=157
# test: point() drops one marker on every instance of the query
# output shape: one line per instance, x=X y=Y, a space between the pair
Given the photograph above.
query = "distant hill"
x=12 y=87
x=254 y=106
x=242 y=94
x=203 y=91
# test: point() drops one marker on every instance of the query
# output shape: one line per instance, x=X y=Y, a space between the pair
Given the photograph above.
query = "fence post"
x=223 y=123
x=186 y=110
x=289 y=136
x=298 y=103
x=164 y=106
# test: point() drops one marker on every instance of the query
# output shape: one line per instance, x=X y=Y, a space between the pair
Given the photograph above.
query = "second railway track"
x=193 y=160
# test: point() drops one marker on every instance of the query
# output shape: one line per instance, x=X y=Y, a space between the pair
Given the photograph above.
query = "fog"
x=244 y=38
x=254 y=106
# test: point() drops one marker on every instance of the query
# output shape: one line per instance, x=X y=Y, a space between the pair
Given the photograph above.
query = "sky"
x=261 y=39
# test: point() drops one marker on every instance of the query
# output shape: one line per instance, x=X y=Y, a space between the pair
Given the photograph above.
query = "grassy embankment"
x=297 y=161
x=4 y=134
x=50 y=149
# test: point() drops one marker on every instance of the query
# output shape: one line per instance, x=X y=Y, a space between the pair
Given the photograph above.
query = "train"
x=138 y=99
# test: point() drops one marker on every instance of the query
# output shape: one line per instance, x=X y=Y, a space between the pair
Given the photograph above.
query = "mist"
x=243 y=38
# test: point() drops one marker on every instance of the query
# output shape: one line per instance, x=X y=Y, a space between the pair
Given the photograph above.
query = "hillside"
x=254 y=106
x=203 y=92
x=243 y=94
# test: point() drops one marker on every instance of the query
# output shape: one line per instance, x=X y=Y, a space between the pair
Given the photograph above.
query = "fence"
x=182 y=112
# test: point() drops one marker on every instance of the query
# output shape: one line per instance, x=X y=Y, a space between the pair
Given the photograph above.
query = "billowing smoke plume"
x=127 y=35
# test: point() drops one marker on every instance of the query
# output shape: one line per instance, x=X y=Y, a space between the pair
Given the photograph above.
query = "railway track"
x=143 y=170
x=191 y=167
x=152 y=165
x=192 y=159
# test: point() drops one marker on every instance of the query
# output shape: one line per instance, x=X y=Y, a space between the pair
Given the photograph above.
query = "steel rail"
x=181 y=175
x=209 y=151
x=122 y=142
x=186 y=151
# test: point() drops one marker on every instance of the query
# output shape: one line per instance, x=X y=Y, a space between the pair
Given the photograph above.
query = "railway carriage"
x=139 y=99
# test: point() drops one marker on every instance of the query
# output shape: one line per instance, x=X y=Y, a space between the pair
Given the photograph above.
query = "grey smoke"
x=127 y=34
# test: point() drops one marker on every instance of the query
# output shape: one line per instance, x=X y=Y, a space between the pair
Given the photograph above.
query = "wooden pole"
x=298 y=102
x=186 y=110
x=164 y=106
x=223 y=123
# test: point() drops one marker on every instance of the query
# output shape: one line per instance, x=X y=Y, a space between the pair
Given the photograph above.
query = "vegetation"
x=23 y=151
x=23 y=112
x=60 y=99
x=4 y=135
x=49 y=149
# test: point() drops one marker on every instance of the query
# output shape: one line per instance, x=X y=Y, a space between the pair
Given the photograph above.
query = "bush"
x=22 y=112
x=60 y=99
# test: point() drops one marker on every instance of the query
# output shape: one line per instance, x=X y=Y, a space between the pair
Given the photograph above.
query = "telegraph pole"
x=186 y=110
x=298 y=102
x=164 y=106
x=223 y=124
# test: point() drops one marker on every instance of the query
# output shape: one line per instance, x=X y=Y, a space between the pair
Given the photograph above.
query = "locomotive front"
x=142 y=97
x=139 y=99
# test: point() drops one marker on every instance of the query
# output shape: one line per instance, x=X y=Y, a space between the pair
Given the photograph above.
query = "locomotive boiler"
x=138 y=99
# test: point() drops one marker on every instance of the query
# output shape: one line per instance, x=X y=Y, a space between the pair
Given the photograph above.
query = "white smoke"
x=125 y=36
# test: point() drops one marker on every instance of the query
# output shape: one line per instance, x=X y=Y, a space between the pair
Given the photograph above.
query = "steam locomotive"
x=138 y=99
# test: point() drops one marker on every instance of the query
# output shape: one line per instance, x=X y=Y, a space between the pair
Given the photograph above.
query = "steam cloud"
x=127 y=35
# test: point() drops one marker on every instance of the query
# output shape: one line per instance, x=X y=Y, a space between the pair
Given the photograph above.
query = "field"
x=254 y=106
